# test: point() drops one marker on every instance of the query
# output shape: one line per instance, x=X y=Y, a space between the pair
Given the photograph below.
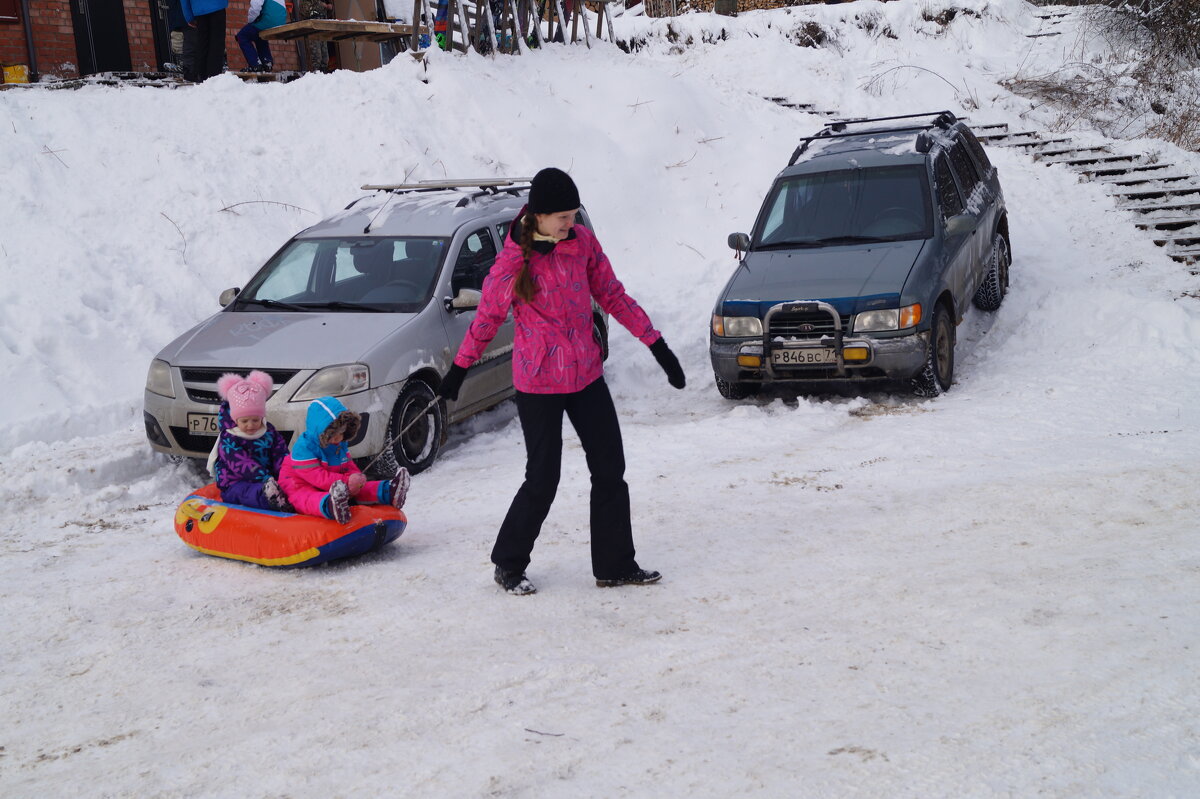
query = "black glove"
x=448 y=390
x=669 y=363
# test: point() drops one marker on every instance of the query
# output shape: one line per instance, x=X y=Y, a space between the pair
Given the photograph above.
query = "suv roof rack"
x=837 y=128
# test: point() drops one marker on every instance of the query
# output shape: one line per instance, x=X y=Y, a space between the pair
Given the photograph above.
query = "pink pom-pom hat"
x=247 y=396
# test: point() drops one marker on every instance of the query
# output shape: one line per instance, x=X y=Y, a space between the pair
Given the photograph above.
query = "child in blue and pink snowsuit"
x=320 y=478
x=249 y=450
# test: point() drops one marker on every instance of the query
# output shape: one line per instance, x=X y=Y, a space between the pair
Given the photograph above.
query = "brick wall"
x=54 y=35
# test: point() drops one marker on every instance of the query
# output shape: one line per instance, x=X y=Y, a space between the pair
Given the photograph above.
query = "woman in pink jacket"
x=547 y=274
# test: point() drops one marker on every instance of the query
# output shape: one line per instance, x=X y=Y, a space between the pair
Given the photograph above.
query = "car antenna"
x=367 y=229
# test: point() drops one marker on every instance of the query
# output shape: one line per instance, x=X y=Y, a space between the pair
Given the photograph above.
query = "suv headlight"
x=736 y=326
x=891 y=319
x=333 y=381
x=158 y=379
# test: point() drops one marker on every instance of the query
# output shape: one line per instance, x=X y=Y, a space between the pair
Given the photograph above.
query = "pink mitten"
x=355 y=482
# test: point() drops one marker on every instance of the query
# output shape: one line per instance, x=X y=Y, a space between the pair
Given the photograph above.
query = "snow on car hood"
x=281 y=340
x=825 y=273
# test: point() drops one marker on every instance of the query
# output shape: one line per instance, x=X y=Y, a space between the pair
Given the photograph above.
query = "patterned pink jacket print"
x=553 y=348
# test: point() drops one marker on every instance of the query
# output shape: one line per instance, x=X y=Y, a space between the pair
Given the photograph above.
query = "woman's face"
x=556 y=225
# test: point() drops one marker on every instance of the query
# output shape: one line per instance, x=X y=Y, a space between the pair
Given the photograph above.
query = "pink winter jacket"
x=553 y=348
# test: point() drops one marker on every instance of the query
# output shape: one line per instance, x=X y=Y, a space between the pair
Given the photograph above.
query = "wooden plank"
x=338 y=29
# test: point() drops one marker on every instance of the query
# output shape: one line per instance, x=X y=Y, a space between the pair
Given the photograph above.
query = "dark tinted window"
x=948 y=197
x=880 y=203
x=964 y=167
x=977 y=152
x=476 y=257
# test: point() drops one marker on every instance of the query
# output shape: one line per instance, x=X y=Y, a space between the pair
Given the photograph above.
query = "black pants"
x=210 y=45
x=594 y=418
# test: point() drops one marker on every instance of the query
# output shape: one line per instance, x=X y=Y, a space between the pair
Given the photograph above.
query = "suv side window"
x=977 y=151
x=968 y=177
x=949 y=200
x=476 y=257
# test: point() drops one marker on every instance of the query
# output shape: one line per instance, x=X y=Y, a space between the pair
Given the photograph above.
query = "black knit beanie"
x=552 y=191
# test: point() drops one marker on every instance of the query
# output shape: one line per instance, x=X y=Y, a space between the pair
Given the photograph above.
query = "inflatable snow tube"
x=284 y=540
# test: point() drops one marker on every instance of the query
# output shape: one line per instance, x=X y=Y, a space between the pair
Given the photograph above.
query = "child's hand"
x=355 y=482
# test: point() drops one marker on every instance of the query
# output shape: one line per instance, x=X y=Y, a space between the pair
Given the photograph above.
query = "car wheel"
x=419 y=446
x=600 y=333
x=995 y=283
x=938 y=372
x=735 y=391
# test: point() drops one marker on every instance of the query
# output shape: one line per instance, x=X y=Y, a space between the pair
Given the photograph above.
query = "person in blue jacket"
x=263 y=14
x=208 y=18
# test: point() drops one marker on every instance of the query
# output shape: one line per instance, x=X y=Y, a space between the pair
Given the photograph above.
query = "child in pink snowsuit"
x=318 y=475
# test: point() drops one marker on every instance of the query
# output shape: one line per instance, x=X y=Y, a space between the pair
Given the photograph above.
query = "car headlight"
x=158 y=379
x=891 y=319
x=333 y=381
x=736 y=326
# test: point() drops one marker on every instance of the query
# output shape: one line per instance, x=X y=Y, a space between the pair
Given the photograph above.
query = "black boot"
x=635 y=577
x=514 y=582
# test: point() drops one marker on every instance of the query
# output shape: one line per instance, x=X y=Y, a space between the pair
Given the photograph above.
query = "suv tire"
x=938 y=372
x=418 y=448
x=991 y=291
x=735 y=391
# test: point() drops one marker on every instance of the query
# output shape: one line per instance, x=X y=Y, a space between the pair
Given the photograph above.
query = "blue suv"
x=863 y=260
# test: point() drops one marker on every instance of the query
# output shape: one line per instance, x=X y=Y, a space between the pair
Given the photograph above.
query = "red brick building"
x=73 y=38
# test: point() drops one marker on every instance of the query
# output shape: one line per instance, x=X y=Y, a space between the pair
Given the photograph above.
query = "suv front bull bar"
x=806 y=306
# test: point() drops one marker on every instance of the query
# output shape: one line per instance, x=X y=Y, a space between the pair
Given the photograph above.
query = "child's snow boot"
x=514 y=582
x=276 y=497
x=339 y=502
x=400 y=484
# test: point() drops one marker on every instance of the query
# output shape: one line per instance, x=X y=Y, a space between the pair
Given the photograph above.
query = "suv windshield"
x=368 y=274
x=846 y=207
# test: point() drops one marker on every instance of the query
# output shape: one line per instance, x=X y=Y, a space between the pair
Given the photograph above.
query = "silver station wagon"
x=868 y=250
x=370 y=306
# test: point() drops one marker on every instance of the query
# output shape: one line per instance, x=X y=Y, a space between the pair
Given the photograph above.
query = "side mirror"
x=228 y=296
x=739 y=242
x=959 y=224
x=466 y=300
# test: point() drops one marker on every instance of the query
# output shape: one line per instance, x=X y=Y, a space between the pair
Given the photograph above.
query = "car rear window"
x=874 y=204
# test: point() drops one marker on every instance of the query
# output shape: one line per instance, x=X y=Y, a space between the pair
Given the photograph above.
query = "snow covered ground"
x=991 y=593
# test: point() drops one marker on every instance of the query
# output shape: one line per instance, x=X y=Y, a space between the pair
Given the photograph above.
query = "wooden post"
x=415 y=39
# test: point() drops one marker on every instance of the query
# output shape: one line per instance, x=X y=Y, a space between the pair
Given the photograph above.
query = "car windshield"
x=849 y=206
x=363 y=275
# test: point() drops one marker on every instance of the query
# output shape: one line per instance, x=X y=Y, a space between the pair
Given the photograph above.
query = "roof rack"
x=837 y=129
x=434 y=185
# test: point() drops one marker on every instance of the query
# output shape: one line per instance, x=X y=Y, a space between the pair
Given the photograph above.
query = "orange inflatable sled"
x=286 y=540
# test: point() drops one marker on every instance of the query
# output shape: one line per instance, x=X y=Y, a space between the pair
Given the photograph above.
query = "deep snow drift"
x=992 y=592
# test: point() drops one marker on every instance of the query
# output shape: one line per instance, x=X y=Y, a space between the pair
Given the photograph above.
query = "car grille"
x=204 y=444
x=207 y=393
x=805 y=325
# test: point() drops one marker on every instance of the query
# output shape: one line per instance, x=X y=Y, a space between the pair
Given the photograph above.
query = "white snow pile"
x=990 y=593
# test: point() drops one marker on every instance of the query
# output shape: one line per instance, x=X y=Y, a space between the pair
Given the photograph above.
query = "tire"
x=938 y=372
x=418 y=448
x=735 y=391
x=995 y=283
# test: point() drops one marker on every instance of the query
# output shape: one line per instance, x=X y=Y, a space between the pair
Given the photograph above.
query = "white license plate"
x=808 y=356
x=202 y=424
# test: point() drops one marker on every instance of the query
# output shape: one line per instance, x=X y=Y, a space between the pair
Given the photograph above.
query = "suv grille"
x=207 y=393
x=805 y=325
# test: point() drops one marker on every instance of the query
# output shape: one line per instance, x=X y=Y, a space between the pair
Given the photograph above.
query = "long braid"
x=523 y=287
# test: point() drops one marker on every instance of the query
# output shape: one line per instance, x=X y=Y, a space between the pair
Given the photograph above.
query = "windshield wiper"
x=290 y=306
x=339 y=305
x=823 y=242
